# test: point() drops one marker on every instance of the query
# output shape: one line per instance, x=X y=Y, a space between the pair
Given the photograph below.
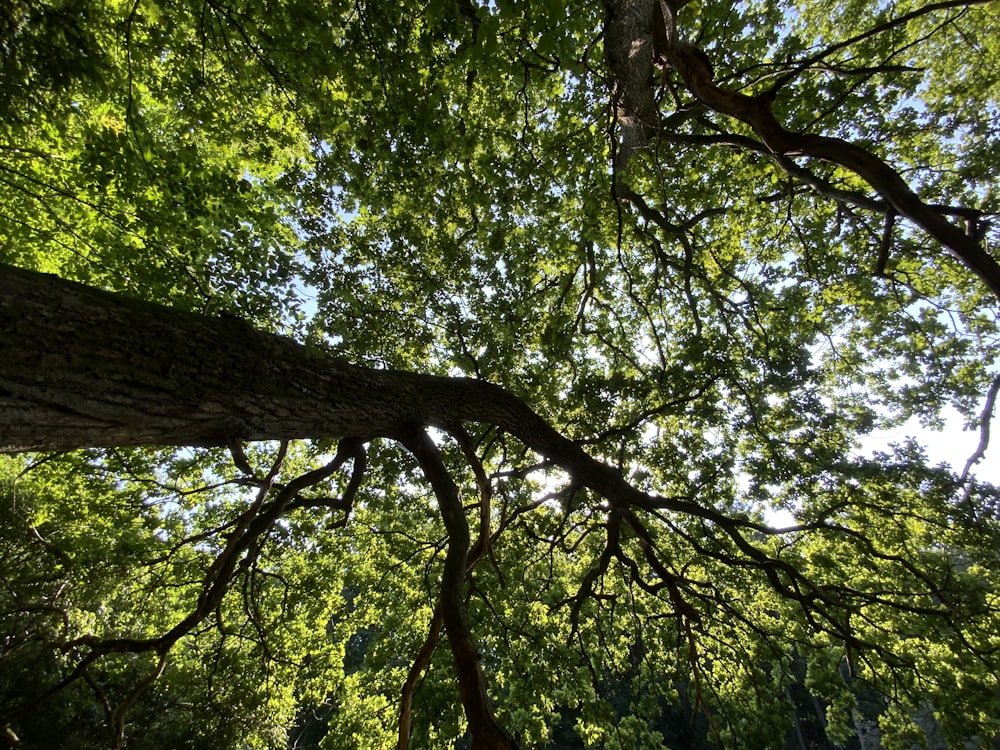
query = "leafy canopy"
x=440 y=187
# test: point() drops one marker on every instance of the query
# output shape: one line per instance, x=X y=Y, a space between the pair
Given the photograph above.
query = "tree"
x=363 y=329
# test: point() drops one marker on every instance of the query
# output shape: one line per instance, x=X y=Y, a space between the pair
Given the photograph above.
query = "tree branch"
x=985 y=419
x=869 y=33
x=487 y=732
x=756 y=112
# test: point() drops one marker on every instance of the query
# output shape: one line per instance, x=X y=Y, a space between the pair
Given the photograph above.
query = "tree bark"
x=637 y=31
x=80 y=367
x=85 y=368
x=628 y=52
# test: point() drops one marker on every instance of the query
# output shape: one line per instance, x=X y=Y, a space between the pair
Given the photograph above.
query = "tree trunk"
x=628 y=51
x=80 y=367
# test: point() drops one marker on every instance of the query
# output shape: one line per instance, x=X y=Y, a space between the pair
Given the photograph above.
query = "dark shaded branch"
x=487 y=732
x=885 y=244
x=971 y=216
x=240 y=459
x=118 y=716
x=756 y=112
x=420 y=663
x=346 y=501
x=100 y=365
x=612 y=547
x=482 y=545
x=81 y=367
x=480 y=548
x=217 y=580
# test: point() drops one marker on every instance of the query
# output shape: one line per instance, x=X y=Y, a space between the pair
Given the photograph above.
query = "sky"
x=952 y=445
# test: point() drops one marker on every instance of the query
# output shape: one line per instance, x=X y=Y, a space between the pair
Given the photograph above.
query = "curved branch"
x=420 y=663
x=118 y=717
x=487 y=732
x=756 y=112
x=985 y=419
x=480 y=548
x=246 y=536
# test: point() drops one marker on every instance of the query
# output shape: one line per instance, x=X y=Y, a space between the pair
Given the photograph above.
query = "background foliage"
x=429 y=187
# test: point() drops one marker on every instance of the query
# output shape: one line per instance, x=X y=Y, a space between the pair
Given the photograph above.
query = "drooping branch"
x=487 y=732
x=80 y=367
x=420 y=663
x=434 y=631
x=985 y=419
x=482 y=545
x=118 y=716
x=246 y=534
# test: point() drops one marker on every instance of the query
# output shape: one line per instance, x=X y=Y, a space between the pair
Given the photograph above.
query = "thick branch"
x=756 y=112
x=487 y=733
x=80 y=367
x=628 y=51
x=481 y=547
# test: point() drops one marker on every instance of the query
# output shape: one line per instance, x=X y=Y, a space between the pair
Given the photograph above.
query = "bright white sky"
x=952 y=445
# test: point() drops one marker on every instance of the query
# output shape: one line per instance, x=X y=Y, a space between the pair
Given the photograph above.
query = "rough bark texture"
x=628 y=51
x=82 y=367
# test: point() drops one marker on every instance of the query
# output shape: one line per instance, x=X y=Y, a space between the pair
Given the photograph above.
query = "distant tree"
x=436 y=375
